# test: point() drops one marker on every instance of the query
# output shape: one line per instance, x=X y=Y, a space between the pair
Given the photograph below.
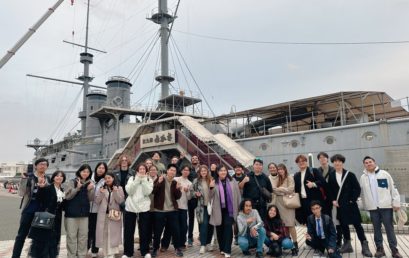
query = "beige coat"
x=287 y=215
x=115 y=227
x=216 y=216
x=274 y=182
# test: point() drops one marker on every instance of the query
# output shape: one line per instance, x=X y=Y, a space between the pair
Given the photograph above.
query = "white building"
x=10 y=169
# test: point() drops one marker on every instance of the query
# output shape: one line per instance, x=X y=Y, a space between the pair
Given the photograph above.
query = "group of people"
x=252 y=209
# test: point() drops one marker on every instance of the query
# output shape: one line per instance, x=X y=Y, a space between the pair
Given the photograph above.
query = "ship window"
x=369 y=136
x=92 y=107
x=263 y=146
x=63 y=157
x=329 y=139
x=53 y=160
x=294 y=143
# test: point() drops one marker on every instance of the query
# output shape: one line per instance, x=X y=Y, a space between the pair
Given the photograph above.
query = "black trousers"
x=225 y=232
x=183 y=226
x=24 y=228
x=261 y=207
x=129 y=232
x=92 y=227
x=191 y=212
x=322 y=245
x=358 y=229
x=170 y=220
x=145 y=233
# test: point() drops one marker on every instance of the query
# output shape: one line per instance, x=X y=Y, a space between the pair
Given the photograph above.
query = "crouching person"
x=276 y=233
x=251 y=231
x=321 y=233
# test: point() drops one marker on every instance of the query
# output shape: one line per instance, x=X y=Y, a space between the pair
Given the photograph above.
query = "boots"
x=346 y=247
x=294 y=250
x=365 y=249
x=380 y=252
x=396 y=254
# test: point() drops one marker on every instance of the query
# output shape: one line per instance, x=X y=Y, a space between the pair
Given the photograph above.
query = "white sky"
x=229 y=73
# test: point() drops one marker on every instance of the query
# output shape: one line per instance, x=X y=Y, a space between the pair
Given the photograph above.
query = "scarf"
x=229 y=193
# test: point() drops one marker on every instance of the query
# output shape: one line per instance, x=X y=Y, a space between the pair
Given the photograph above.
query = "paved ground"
x=10 y=216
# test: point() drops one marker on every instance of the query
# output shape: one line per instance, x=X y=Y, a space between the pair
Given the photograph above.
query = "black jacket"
x=117 y=174
x=312 y=175
x=328 y=228
x=348 y=211
x=79 y=205
x=330 y=169
x=252 y=191
x=47 y=196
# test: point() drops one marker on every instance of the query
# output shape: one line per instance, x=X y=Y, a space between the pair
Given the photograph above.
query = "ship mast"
x=86 y=59
x=163 y=18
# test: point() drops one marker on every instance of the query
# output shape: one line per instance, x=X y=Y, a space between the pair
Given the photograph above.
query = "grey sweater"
x=244 y=226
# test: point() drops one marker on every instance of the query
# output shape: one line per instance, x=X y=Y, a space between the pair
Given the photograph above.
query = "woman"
x=225 y=199
x=137 y=205
x=100 y=170
x=276 y=232
x=285 y=186
x=213 y=170
x=108 y=231
x=344 y=190
x=273 y=176
x=78 y=196
x=186 y=185
x=251 y=230
x=46 y=243
x=201 y=191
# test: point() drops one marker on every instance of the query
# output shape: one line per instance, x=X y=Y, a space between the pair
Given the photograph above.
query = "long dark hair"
x=227 y=170
x=96 y=177
x=114 y=182
x=83 y=167
x=276 y=221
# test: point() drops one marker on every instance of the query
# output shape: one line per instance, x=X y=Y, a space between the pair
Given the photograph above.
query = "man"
x=28 y=190
x=166 y=192
x=380 y=197
x=156 y=161
x=310 y=185
x=192 y=203
x=325 y=169
x=321 y=233
x=124 y=172
x=252 y=186
x=238 y=176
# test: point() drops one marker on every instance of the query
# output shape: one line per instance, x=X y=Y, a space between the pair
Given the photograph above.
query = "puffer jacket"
x=387 y=193
x=138 y=188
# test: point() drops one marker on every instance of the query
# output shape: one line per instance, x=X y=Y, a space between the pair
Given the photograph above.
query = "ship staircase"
x=191 y=138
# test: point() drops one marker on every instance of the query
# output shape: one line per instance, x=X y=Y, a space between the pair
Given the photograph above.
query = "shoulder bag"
x=43 y=220
x=292 y=201
x=267 y=196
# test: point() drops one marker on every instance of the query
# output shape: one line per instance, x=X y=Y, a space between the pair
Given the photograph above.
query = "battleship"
x=354 y=123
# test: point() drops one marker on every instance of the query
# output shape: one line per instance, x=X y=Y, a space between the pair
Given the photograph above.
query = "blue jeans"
x=205 y=229
x=385 y=217
x=246 y=241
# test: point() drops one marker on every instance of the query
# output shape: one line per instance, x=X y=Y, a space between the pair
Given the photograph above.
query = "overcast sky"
x=246 y=75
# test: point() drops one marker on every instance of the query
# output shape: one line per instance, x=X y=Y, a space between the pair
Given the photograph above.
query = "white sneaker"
x=94 y=255
x=202 y=249
x=226 y=255
x=210 y=248
x=148 y=255
x=124 y=256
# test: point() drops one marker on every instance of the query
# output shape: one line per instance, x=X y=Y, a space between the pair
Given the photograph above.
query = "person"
x=98 y=179
x=252 y=185
x=344 y=190
x=276 y=232
x=186 y=186
x=149 y=163
x=192 y=203
x=225 y=199
x=78 y=195
x=153 y=174
x=156 y=161
x=213 y=170
x=325 y=169
x=251 y=229
x=310 y=185
x=238 y=176
x=321 y=233
x=123 y=174
x=108 y=232
x=380 y=197
x=285 y=186
x=46 y=242
x=29 y=204
x=137 y=205
x=166 y=192
x=273 y=176
x=201 y=191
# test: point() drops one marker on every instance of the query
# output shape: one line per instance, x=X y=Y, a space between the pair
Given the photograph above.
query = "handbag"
x=292 y=201
x=267 y=196
x=114 y=215
x=43 y=220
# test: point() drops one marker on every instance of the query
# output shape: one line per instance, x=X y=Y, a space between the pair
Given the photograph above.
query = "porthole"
x=263 y=146
x=294 y=143
x=369 y=136
x=329 y=139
